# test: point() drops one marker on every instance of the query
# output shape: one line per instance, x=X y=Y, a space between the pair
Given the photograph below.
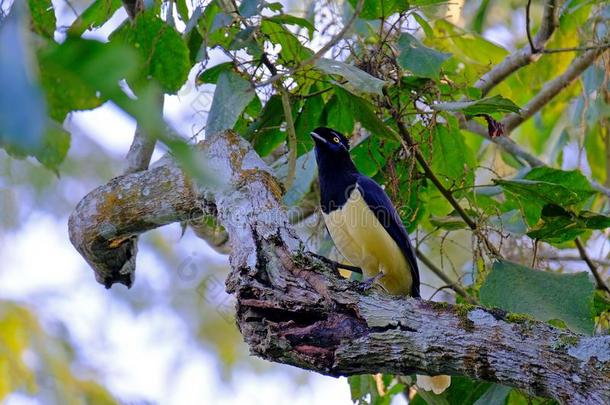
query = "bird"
x=365 y=227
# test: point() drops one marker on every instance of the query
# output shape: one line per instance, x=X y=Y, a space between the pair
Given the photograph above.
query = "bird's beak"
x=318 y=137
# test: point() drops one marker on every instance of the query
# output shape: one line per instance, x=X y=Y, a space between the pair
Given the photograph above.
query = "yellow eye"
x=336 y=139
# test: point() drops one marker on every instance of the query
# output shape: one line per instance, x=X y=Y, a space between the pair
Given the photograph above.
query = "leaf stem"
x=585 y=257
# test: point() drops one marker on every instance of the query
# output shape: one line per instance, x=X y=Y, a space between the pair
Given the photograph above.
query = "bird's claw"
x=366 y=285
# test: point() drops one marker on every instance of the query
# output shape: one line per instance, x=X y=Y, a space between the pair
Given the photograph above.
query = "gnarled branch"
x=293 y=309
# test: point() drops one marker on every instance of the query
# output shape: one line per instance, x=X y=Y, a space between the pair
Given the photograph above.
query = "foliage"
x=388 y=72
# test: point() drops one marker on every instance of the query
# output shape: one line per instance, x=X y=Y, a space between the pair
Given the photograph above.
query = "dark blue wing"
x=378 y=201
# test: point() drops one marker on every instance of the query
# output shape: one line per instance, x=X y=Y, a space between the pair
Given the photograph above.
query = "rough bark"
x=293 y=309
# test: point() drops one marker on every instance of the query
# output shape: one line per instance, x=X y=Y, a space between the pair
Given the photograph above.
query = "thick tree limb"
x=293 y=309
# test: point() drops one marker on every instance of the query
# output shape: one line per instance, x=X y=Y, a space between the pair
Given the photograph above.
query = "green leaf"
x=558 y=225
x=423 y=24
x=81 y=74
x=540 y=191
x=357 y=78
x=545 y=185
x=487 y=105
x=339 y=116
x=293 y=20
x=375 y=9
x=450 y=158
x=292 y=51
x=370 y=155
x=462 y=391
x=249 y=8
x=495 y=395
x=308 y=119
x=418 y=58
x=232 y=95
x=183 y=10
x=22 y=107
x=573 y=180
x=541 y=294
x=43 y=17
x=264 y=133
x=211 y=75
x=165 y=53
x=362 y=111
x=94 y=16
x=54 y=149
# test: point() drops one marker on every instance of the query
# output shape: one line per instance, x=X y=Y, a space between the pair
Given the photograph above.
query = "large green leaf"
x=339 y=115
x=541 y=294
x=308 y=119
x=363 y=112
x=371 y=155
x=43 y=17
x=162 y=48
x=573 y=180
x=375 y=9
x=94 y=16
x=357 y=78
x=451 y=160
x=292 y=51
x=495 y=395
x=210 y=75
x=293 y=20
x=558 y=225
x=54 y=148
x=264 y=133
x=462 y=391
x=81 y=74
x=418 y=58
x=233 y=93
x=22 y=108
x=487 y=105
x=545 y=185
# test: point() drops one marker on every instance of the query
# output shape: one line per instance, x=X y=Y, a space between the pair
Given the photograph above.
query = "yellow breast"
x=364 y=242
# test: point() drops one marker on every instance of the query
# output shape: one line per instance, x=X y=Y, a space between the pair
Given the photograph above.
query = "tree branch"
x=546 y=94
x=552 y=89
x=601 y=284
x=523 y=56
x=293 y=309
x=322 y=50
x=455 y=286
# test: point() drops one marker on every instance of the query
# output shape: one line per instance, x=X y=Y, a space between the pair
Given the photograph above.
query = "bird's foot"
x=370 y=283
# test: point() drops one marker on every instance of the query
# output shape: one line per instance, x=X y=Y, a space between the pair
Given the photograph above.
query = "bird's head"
x=330 y=142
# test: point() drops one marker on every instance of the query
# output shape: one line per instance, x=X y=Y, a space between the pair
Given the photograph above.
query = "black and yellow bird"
x=365 y=226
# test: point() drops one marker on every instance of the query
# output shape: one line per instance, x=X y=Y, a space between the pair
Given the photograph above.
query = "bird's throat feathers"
x=338 y=177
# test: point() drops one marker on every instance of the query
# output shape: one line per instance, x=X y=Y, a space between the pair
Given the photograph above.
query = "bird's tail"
x=436 y=384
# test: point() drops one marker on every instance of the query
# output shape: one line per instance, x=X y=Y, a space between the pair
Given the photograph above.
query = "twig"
x=133 y=7
x=603 y=263
x=585 y=257
x=533 y=48
x=404 y=135
x=552 y=88
x=548 y=92
x=455 y=286
x=577 y=49
x=322 y=50
x=523 y=56
x=292 y=136
x=140 y=151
